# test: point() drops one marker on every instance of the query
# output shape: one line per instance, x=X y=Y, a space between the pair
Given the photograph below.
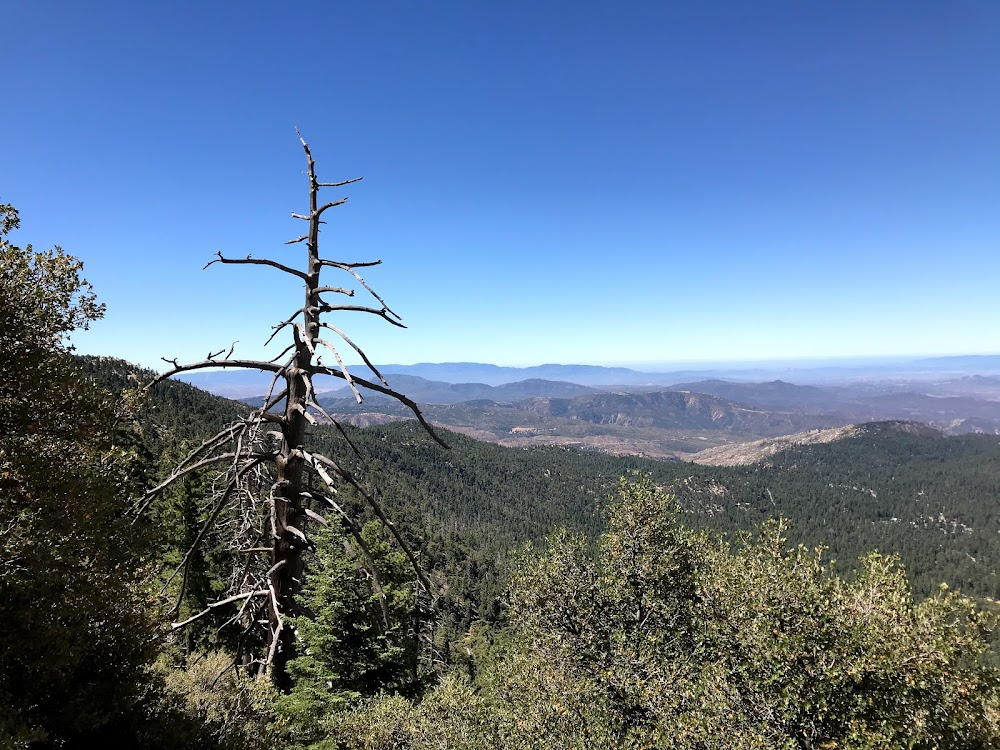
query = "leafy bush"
x=664 y=637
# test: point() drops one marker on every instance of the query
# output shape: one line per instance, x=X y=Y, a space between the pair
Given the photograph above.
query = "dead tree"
x=268 y=452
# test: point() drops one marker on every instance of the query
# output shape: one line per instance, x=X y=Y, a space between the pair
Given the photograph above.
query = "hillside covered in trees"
x=563 y=598
x=471 y=509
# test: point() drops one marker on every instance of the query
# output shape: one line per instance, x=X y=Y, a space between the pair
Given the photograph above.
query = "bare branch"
x=215 y=605
x=346 y=437
x=316 y=405
x=343 y=368
x=313 y=401
x=249 y=364
x=270 y=402
x=377 y=507
x=357 y=349
x=345 y=266
x=333 y=290
x=284 y=323
x=181 y=473
x=282 y=353
x=213 y=355
x=331 y=204
x=313 y=515
x=305 y=146
x=298 y=239
x=239 y=614
x=349 y=267
x=304 y=411
x=409 y=403
x=339 y=184
x=382 y=313
x=302 y=337
x=257 y=262
x=297 y=533
x=275 y=400
x=264 y=412
x=317 y=458
x=210 y=444
x=185 y=565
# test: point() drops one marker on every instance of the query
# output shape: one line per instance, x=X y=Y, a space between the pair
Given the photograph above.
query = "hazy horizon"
x=991 y=363
x=664 y=366
x=662 y=182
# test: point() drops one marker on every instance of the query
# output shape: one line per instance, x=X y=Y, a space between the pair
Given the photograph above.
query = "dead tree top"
x=316 y=305
x=262 y=460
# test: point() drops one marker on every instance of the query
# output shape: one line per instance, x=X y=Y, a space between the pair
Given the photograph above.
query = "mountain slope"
x=755 y=451
x=672 y=410
x=425 y=391
x=775 y=394
x=897 y=487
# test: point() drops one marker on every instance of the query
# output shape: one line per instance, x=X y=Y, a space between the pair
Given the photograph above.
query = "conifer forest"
x=181 y=570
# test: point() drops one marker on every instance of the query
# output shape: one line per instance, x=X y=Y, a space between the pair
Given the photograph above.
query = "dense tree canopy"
x=77 y=633
x=665 y=637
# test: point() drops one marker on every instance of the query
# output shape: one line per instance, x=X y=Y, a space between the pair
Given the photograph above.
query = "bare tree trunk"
x=243 y=448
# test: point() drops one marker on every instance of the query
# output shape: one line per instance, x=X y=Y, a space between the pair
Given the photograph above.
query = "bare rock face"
x=744 y=454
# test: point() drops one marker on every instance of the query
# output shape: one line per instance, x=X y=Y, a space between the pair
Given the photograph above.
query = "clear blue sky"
x=571 y=182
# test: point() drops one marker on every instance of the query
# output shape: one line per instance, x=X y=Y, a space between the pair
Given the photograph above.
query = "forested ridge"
x=571 y=599
x=933 y=502
x=929 y=498
x=892 y=487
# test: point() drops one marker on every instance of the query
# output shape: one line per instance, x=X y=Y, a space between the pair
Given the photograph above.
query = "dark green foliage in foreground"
x=465 y=508
x=665 y=638
x=78 y=634
x=82 y=627
x=361 y=635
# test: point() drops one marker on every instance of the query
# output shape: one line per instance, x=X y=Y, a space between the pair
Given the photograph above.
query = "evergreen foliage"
x=663 y=637
x=360 y=635
x=78 y=629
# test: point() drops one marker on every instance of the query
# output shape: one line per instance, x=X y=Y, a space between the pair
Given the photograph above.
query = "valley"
x=659 y=415
x=907 y=462
x=477 y=512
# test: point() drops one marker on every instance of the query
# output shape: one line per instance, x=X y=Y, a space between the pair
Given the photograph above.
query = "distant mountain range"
x=936 y=403
x=681 y=420
x=800 y=371
x=899 y=487
x=244 y=383
x=662 y=424
x=774 y=394
x=426 y=391
x=672 y=410
x=624 y=411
